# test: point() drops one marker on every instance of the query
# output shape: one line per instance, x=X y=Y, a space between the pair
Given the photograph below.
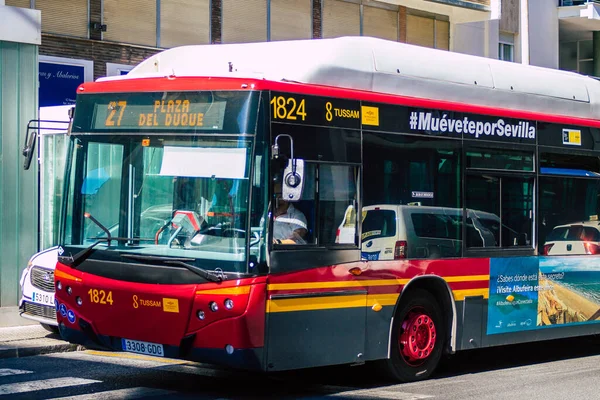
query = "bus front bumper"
x=247 y=359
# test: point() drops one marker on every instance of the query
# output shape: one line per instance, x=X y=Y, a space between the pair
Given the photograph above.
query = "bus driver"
x=289 y=223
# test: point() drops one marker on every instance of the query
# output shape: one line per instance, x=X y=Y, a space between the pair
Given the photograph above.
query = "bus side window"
x=337 y=200
x=326 y=211
x=293 y=222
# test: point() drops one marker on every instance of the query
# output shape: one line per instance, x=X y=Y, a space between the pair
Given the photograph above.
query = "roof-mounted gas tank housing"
x=382 y=66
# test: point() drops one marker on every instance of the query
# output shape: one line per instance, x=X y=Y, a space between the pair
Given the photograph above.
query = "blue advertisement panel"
x=532 y=293
x=513 y=294
x=59 y=82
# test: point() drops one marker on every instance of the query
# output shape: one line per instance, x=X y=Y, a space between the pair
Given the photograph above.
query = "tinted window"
x=408 y=170
x=500 y=159
x=337 y=196
x=574 y=232
x=503 y=206
x=436 y=226
x=590 y=234
x=566 y=200
x=415 y=171
x=482 y=233
x=569 y=164
x=328 y=205
x=559 y=234
x=379 y=224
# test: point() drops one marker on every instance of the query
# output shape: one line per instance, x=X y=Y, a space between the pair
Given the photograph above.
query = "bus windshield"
x=163 y=196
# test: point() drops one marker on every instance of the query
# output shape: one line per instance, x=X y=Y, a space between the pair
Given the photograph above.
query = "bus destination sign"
x=313 y=110
x=177 y=110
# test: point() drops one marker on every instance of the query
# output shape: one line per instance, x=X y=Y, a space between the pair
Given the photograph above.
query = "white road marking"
x=8 y=371
x=23 y=387
x=130 y=393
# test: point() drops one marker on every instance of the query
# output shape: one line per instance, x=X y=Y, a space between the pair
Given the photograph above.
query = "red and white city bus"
x=207 y=190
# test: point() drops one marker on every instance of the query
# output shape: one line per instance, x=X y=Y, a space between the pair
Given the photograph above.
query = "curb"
x=28 y=351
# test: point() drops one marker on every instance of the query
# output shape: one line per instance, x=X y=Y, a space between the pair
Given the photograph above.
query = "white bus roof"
x=382 y=66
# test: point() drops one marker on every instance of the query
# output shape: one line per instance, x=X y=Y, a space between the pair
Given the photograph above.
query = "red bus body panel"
x=165 y=314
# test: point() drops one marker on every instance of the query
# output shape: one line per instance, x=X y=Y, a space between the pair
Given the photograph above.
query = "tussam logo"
x=425 y=121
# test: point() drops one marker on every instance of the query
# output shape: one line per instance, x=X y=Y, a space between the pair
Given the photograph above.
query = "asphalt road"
x=565 y=369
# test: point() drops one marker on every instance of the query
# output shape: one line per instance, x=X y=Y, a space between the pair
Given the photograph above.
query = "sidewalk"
x=29 y=339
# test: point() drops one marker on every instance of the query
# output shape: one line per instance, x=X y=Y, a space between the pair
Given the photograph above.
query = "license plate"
x=43 y=298
x=135 y=346
x=370 y=256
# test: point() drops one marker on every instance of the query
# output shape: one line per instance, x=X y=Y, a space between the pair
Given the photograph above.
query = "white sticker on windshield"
x=204 y=162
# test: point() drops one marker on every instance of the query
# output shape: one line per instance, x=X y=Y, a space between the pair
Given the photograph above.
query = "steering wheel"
x=233 y=232
x=181 y=219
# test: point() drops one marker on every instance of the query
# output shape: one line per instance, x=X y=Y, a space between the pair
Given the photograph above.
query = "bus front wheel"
x=417 y=338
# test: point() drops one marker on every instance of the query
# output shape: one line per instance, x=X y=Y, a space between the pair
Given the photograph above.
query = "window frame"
x=544 y=149
x=501 y=46
x=501 y=251
x=316 y=242
x=435 y=18
x=506 y=40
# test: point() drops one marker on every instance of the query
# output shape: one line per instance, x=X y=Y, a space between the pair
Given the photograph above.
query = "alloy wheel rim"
x=417 y=337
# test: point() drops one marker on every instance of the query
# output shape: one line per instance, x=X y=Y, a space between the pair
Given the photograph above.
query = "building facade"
x=107 y=37
x=578 y=26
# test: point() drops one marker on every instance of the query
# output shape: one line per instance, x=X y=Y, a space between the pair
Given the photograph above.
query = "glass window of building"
x=577 y=56
x=64 y=17
x=244 y=21
x=585 y=57
x=184 y=22
x=118 y=17
x=18 y=3
x=427 y=30
x=291 y=19
x=506 y=47
x=340 y=18
x=380 y=22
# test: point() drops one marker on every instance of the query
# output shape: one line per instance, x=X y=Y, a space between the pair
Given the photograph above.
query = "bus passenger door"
x=316 y=314
x=316 y=328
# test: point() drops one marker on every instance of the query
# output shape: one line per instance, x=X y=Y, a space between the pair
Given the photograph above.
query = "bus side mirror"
x=41 y=127
x=29 y=149
x=293 y=180
x=293 y=175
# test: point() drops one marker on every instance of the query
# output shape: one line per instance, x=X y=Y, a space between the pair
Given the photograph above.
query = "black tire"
x=50 y=328
x=419 y=310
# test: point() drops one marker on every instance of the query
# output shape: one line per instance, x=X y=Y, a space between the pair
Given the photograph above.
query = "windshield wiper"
x=210 y=276
x=94 y=220
x=74 y=260
x=155 y=258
